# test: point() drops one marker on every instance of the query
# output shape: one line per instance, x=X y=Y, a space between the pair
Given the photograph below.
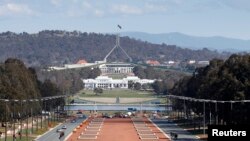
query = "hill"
x=61 y=47
x=193 y=42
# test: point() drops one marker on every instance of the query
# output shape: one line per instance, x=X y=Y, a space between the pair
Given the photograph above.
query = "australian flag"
x=119 y=26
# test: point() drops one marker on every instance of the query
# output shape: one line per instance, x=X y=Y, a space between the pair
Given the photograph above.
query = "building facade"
x=116 y=68
x=106 y=82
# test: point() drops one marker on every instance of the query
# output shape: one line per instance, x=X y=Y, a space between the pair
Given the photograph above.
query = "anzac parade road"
x=53 y=135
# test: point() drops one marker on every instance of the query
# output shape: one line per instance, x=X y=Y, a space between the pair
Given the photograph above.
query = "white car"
x=59 y=130
x=64 y=127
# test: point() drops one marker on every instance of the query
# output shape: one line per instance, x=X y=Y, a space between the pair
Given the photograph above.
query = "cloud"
x=141 y=8
x=85 y=9
x=98 y=13
x=237 y=4
x=149 y=7
x=55 y=2
x=98 y=8
x=126 y=9
x=86 y=4
x=15 y=9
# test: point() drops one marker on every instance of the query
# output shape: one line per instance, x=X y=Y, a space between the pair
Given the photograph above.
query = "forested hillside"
x=61 y=47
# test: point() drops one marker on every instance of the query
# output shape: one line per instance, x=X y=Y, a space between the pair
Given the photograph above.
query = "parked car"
x=107 y=116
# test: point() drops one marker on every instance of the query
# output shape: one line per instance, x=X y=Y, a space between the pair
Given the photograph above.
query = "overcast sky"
x=229 y=18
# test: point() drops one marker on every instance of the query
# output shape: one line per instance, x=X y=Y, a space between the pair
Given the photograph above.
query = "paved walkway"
x=168 y=127
x=119 y=129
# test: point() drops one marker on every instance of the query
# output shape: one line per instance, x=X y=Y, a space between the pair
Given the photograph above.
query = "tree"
x=49 y=89
x=98 y=91
x=158 y=87
x=146 y=86
x=221 y=80
x=139 y=71
x=137 y=86
x=131 y=84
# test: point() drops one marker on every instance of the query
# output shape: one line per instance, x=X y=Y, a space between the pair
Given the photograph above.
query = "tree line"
x=17 y=82
x=69 y=81
x=221 y=80
x=164 y=79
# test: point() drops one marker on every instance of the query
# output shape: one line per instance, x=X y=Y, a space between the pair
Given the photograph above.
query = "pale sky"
x=228 y=18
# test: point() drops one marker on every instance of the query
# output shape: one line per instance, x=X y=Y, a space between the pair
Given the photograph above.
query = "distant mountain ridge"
x=193 y=42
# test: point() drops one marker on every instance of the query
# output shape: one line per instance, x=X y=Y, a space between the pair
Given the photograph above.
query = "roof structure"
x=82 y=62
x=153 y=62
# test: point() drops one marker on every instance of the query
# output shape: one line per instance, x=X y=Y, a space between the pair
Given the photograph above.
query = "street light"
x=6 y=100
x=185 y=114
x=216 y=112
x=21 y=117
x=14 y=133
x=204 y=117
x=45 y=113
x=231 y=107
x=36 y=116
x=31 y=113
x=27 y=120
x=42 y=113
x=49 y=112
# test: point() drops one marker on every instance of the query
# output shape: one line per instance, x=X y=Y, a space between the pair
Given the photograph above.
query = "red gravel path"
x=118 y=129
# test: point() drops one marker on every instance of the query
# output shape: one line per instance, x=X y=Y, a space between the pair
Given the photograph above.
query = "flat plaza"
x=114 y=129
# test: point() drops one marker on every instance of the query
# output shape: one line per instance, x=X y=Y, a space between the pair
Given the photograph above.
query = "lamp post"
x=45 y=113
x=48 y=112
x=204 y=117
x=31 y=113
x=231 y=108
x=66 y=102
x=216 y=112
x=54 y=111
x=37 y=115
x=6 y=100
x=27 y=120
x=14 y=128
x=41 y=113
x=184 y=108
x=21 y=123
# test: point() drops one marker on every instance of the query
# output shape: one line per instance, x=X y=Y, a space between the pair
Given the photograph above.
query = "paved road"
x=168 y=127
x=54 y=136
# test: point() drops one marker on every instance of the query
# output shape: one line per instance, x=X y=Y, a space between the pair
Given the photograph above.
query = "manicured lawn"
x=117 y=93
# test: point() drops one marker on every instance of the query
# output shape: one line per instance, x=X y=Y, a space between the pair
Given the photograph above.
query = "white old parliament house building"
x=126 y=69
